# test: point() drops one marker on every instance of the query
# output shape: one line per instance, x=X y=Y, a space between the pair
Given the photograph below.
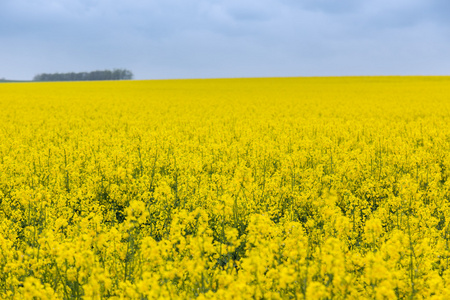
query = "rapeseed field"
x=275 y=188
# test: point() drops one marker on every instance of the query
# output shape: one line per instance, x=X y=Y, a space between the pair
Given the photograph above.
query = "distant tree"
x=116 y=74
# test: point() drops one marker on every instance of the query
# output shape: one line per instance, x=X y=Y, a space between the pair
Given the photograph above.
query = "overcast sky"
x=225 y=38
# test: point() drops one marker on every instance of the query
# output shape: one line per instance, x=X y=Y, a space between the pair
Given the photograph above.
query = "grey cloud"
x=327 y=6
x=215 y=38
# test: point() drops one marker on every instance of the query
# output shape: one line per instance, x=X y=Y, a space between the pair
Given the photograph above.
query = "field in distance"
x=305 y=188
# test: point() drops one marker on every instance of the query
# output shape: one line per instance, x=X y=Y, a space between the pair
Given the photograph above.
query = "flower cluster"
x=290 y=188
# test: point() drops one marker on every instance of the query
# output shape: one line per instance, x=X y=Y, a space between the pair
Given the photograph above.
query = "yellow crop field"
x=275 y=188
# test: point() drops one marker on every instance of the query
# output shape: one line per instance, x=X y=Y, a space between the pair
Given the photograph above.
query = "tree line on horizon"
x=116 y=74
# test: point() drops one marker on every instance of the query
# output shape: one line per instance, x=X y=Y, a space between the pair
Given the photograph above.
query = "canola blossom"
x=274 y=188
